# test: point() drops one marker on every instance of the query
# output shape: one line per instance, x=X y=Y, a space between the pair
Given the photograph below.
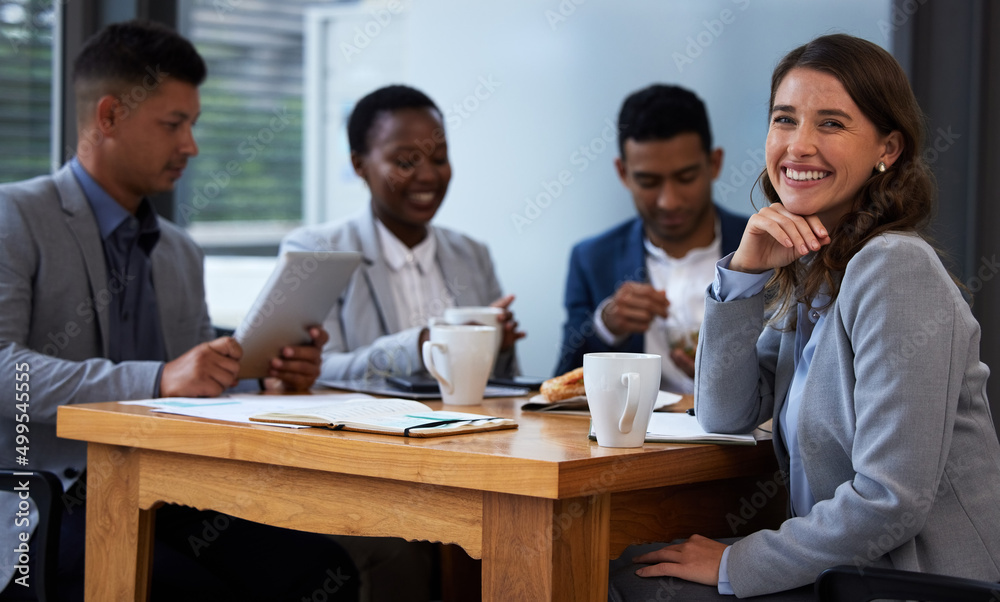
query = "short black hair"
x=389 y=98
x=134 y=53
x=660 y=112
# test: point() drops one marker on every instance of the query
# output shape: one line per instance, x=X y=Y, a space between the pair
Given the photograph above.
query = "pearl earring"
x=880 y=167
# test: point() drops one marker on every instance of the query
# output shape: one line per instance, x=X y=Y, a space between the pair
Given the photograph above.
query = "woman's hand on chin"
x=775 y=237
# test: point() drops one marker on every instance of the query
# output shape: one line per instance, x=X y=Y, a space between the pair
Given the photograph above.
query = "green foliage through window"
x=25 y=88
x=250 y=131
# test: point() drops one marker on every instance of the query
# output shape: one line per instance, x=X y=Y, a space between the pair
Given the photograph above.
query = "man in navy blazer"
x=639 y=287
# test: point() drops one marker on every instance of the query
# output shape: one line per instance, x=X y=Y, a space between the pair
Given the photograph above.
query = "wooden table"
x=542 y=506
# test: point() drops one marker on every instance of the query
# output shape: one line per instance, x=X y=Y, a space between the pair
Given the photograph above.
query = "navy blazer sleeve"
x=597 y=267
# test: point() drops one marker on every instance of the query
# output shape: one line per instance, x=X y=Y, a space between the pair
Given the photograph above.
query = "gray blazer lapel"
x=83 y=225
x=376 y=272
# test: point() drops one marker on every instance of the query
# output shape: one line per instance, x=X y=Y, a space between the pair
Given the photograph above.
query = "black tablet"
x=532 y=382
x=413 y=383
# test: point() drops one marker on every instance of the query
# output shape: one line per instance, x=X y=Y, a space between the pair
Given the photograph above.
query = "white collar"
x=711 y=251
x=398 y=255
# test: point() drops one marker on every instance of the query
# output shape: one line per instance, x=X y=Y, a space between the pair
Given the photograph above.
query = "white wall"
x=559 y=72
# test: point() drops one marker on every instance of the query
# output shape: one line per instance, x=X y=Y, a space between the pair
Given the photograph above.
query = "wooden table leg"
x=119 y=534
x=542 y=549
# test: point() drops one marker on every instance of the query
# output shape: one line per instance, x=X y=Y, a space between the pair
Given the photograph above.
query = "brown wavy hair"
x=902 y=198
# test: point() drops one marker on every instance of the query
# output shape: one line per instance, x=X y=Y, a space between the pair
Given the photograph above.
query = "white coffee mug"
x=485 y=315
x=461 y=358
x=621 y=390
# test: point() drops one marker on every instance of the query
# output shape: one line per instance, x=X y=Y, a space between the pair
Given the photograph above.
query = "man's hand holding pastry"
x=633 y=307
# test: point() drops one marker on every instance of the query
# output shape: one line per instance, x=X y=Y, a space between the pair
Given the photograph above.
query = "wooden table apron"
x=542 y=506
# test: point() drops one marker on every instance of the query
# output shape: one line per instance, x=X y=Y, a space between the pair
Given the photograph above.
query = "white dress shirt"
x=684 y=280
x=418 y=287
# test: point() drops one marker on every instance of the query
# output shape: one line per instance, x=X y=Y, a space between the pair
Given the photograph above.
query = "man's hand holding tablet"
x=281 y=335
x=206 y=370
x=297 y=366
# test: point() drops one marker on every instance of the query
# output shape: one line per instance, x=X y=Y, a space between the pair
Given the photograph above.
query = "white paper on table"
x=240 y=407
x=683 y=427
x=675 y=427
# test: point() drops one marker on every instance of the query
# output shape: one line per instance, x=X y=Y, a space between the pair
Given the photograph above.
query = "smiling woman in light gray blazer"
x=866 y=357
x=399 y=148
x=412 y=271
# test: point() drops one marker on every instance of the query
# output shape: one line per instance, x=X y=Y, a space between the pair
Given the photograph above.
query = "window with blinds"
x=26 y=28
x=245 y=187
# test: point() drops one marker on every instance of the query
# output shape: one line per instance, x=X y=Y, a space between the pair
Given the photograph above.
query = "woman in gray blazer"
x=412 y=272
x=838 y=320
x=412 y=269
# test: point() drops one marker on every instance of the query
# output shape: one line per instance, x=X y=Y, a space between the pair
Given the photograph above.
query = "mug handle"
x=448 y=387
x=630 y=380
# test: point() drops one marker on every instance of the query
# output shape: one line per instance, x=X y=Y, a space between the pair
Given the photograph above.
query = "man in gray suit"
x=102 y=300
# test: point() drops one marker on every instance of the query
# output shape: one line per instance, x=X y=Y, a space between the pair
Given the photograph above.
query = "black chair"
x=850 y=584
x=46 y=492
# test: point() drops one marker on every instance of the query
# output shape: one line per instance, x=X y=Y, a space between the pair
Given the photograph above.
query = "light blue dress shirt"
x=731 y=286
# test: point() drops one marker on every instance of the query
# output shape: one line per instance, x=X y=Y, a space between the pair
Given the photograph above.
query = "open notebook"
x=401 y=417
